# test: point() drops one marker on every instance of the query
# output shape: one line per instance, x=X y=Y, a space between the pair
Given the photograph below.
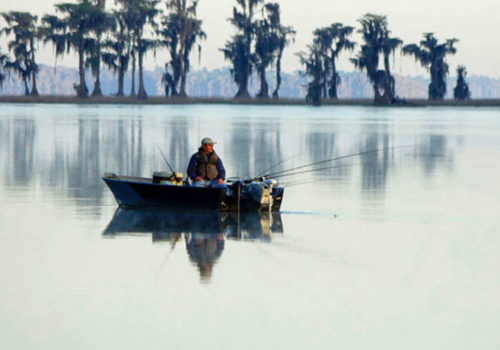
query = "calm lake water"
x=397 y=249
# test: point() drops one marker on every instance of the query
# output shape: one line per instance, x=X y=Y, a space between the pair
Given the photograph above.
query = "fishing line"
x=280 y=173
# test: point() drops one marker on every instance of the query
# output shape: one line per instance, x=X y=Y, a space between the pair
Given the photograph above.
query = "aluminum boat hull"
x=137 y=192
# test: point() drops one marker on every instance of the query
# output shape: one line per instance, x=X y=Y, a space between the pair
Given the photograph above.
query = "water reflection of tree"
x=433 y=152
x=240 y=141
x=71 y=165
x=255 y=145
x=269 y=150
x=322 y=146
x=18 y=142
x=83 y=167
x=177 y=142
x=375 y=165
x=71 y=157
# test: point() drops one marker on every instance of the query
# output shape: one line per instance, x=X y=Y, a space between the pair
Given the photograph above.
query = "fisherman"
x=205 y=167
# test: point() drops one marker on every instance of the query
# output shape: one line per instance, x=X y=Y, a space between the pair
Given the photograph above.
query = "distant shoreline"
x=158 y=100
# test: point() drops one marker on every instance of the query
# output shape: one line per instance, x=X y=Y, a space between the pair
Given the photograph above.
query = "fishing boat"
x=169 y=190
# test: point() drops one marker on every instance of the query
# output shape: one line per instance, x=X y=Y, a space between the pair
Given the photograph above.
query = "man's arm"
x=220 y=168
x=191 y=170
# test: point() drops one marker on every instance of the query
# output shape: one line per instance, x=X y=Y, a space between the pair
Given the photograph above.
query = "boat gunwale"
x=149 y=181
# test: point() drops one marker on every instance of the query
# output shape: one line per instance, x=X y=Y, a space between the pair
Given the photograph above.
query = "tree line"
x=119 y=39
x=373 y=57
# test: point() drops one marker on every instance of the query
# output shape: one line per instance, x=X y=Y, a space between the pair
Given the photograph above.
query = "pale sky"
x=476 y=23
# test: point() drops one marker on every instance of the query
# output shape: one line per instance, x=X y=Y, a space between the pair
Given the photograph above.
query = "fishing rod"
x=313 y=170
x=166 y=161
x=277 y=164
x=280 y=173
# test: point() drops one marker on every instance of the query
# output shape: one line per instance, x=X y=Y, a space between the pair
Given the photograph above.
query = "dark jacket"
x=209 y=167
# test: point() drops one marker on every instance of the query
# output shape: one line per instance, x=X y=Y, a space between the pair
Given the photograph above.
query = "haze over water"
x=394 y=249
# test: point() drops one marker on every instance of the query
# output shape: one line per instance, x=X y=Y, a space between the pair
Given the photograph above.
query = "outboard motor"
x=260 y=193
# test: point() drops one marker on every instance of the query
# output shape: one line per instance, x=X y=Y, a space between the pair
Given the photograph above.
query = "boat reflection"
x=204 y=232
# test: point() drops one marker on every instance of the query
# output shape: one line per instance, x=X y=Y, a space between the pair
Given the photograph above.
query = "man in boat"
x=205 y=167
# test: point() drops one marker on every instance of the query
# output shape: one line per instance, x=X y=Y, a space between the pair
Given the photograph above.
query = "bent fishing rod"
x=283 y=172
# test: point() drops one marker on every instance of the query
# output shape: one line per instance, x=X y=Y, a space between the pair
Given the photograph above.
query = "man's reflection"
x=204 y=250
x=204 y=232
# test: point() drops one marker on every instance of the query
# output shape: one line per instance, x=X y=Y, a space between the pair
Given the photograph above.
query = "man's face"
x=208 y=148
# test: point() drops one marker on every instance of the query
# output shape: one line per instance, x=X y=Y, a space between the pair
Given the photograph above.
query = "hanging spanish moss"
x=377 y=43
x=313 y=63
x=25 y=30
x=332 y=41
x=431 y=54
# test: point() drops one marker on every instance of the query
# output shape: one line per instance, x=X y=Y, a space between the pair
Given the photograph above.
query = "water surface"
x=393 y=249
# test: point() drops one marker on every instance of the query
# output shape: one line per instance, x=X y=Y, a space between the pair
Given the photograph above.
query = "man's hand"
x=198 y=179
x=220 y=181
